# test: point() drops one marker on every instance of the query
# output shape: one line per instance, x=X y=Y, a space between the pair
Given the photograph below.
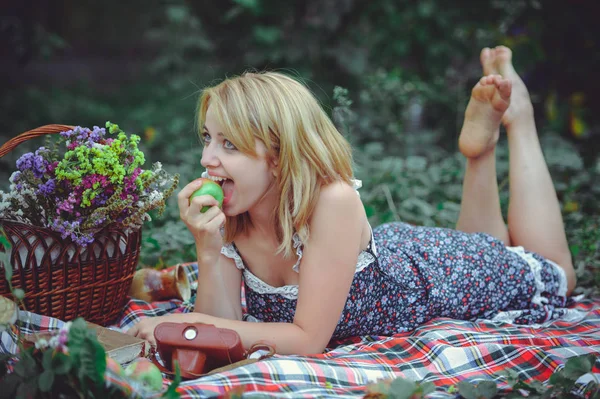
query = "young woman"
x=294 y=230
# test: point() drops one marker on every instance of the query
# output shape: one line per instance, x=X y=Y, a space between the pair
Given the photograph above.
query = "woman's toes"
x=504 y=88
x=486 y=57
x=502 y=51
x=490 y=80
x=503 y=61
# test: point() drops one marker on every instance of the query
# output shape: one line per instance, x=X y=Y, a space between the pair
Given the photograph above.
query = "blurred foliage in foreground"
x=408 y=67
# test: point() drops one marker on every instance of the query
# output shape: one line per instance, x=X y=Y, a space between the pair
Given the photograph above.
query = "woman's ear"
x=274 y=163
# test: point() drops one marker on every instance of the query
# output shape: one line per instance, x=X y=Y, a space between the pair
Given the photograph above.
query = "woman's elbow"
x=308 y=344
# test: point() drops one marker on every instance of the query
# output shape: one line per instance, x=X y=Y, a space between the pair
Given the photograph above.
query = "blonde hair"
x=300 y=138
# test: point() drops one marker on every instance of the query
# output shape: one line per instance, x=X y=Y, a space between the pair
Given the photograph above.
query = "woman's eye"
x=228 y=145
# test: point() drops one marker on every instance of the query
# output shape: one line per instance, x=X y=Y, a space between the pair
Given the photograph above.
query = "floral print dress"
x=409 y=275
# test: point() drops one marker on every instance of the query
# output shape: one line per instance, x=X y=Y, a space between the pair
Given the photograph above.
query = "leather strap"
x=261 y=345
x=152 y=357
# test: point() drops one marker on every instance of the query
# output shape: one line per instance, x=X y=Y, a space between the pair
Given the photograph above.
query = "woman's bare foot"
x=498 y=61
x=490 y=98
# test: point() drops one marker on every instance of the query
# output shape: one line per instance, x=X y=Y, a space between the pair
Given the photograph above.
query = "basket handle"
x=37 y=132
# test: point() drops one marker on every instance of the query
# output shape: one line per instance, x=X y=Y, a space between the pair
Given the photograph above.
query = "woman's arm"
x=287 y=337
x=219 y=281
x=219 y=288
x=329 y=263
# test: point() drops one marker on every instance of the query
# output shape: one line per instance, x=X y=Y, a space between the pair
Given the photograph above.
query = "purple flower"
x=34 y=162
x=25 y=162
x=83 y=135
x=69 y=133
x=39 y=166
x=83 y=239
x=71 y=230
x=47 y=188
x=67 y=204
x=60 y=227
x=101 y=198
x=79 y=132
x=96 y=135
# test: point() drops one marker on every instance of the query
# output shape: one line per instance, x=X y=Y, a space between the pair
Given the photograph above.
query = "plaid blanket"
x=443 y=352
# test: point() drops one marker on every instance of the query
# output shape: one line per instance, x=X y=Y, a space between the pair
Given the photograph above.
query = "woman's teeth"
x=213 y=178
x=217 y=179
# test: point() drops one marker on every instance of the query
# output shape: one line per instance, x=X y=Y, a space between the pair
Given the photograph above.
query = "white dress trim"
x=229 y=251
x=562 y=287
x=260 y=287
x=509 y=316
x=254 y=283
x=536 y=268
x=287 y=291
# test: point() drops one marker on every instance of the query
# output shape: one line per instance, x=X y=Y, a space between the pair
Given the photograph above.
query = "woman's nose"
x=209 y=157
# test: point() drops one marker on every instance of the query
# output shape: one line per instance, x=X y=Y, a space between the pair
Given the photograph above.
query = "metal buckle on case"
x=190 y=333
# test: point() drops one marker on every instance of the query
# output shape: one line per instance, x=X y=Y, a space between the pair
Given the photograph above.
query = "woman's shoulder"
x=336 y=197
x=339 y=190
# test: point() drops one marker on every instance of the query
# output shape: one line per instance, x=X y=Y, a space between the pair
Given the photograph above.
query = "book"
x=119 y=346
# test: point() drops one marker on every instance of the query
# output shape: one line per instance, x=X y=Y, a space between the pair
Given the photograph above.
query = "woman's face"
x=248 y=182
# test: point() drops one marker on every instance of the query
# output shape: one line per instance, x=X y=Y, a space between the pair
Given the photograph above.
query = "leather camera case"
x=198 y=348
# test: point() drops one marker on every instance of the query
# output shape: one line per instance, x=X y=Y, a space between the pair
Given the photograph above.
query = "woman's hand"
x=145 y=328
x=205 y=227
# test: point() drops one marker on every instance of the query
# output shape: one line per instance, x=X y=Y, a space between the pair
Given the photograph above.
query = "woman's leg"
x=480 y=205
x=534 y=215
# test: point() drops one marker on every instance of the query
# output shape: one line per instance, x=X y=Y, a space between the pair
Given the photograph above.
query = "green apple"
x=144 y=371
x=211 y=188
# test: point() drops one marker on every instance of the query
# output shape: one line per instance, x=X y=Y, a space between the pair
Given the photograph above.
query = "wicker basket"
x=62 y=279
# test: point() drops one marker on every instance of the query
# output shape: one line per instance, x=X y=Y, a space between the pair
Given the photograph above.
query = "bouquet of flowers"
x=96 y=181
